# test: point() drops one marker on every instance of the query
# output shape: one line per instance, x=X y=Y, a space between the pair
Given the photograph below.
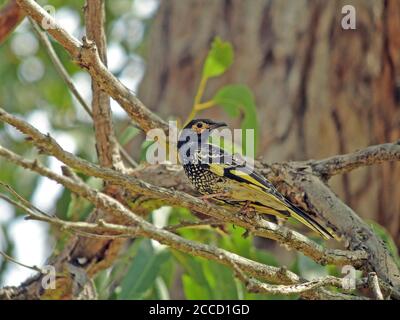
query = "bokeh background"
x=319 y=91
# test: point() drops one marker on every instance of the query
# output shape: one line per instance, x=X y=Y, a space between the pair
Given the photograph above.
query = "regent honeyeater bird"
x=219 y=175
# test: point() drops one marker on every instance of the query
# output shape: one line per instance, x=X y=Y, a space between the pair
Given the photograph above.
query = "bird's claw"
x=247 y=210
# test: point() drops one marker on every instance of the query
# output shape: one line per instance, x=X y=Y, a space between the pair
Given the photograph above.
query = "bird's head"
x=198 y=131
x=200 y=126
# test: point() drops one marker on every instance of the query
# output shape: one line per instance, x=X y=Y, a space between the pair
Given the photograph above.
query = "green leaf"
x=194 y=290
x=194 y=277
x=219 y=58
x=236 y=99
x=143 y=271
x=235 y=241
x=128 y=134
x=191 y=266
x=221 y=280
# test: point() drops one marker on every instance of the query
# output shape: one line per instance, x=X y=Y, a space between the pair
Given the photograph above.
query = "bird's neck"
x=193 y=139
x=187 y=147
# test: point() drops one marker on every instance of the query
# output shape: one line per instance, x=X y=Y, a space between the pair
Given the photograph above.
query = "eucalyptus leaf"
x=193 y=290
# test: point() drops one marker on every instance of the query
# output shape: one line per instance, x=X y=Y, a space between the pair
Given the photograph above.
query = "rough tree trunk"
x=320 y=90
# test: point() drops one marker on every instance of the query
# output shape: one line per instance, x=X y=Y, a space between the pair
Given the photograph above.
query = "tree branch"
x=329 y=167
x=143 y=228
x=318 y=197
x=256 y=286
x=68 y=81
x=256 y=225
x=86 y=55
x=106 y=143
x=301 y=177
x=10 y=16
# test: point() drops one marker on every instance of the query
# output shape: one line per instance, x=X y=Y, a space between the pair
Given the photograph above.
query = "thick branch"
x=310 y=193
x=86 y=55
x=318 y=197
x=143 y=228
x=106 y=143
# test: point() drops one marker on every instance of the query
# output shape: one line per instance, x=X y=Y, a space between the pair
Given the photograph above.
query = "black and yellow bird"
x=219 y=175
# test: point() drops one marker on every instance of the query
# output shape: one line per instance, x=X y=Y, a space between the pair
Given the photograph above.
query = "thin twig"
x=8 y=258
x=21 y=199
x=256 y=286
x=195 y=224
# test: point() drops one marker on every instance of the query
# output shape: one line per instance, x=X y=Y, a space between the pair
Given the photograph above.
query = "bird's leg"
x=247 y=210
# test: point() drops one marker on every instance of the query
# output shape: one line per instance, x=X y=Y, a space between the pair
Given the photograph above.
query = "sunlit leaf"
x=193 y=290
x=219 y=58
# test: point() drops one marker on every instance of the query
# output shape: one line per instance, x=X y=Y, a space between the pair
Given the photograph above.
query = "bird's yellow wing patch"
x=248 y=178
x=217 y=168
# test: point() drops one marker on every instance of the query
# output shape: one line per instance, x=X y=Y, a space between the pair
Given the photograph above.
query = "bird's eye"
x=200 y=125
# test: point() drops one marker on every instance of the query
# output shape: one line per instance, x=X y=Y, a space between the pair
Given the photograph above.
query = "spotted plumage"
x=229 y=180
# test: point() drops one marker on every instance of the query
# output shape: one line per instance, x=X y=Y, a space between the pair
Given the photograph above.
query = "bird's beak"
x=218 y=125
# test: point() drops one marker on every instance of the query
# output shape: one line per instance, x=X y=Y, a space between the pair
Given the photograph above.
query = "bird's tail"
x=310 y=222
